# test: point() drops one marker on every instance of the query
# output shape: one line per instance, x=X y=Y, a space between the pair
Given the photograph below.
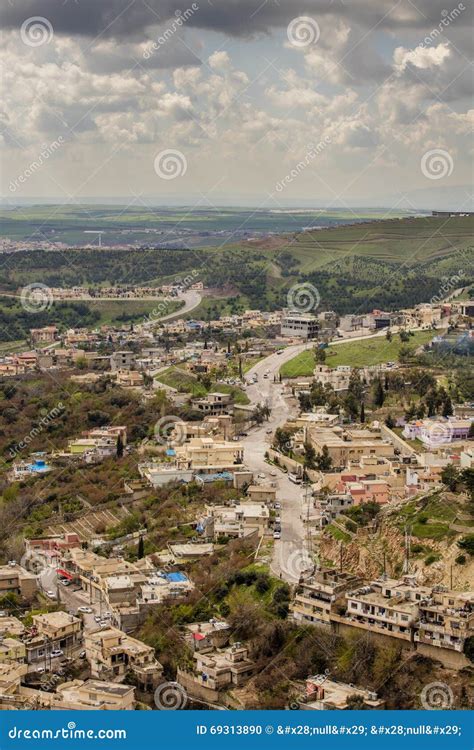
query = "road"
x=191 y=299
x=290 y=558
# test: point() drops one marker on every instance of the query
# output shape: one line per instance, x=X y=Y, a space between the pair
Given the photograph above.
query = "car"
x=55 y=653
x=261 y=476
x=280 y=351
x=107 y=615
x=265 y=376
x=278 y=520
x=82 y=655
x=104 y=624
x=277 y=535
x=97 y=618
x=85 y=610
x=269 y=431
x=40 y=670
x=277 y=506
x=51 y=594
x=65 y=582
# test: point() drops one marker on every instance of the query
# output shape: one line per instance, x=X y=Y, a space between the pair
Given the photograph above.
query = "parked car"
x=82 y=655
x=273 y=474
x=85 y=610
x=51 y=594
x=277 y=535
x=55 y=653
x=261 y=476
x=40 y=670
x=97 y=618
x=277 y=506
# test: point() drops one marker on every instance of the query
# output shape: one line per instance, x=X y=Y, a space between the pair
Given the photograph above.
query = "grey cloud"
x=130 y=18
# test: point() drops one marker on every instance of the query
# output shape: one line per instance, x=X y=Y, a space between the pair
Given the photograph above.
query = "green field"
x=185 y=382
x=128 y=311
x=354 y=353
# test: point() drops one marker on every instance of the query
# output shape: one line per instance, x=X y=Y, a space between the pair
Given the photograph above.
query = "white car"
x=277 y=535
x=55 y=653
x=51 y=594
x=97 y=618
x=40 y=670
x=85 y=610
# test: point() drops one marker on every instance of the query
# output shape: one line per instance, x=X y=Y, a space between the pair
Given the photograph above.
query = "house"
x=261 y=493
x=12 y=650
x=112 y=654
x=213 y=404
x=446 y=619
x=122 y=360
x=209 y=635
x=46 y=335
x=349 y=444
x=11 y=625
x=59 y=630
x=235 y=520
x=318 y=597
x=329 y=695
x=90 y=695
x=15 y=579
x=129 y=378
x=206 y=455
x=217 y=670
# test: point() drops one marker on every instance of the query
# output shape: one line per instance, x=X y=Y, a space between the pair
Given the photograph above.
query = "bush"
x=431 y=558
x=460 y=560
x=467 y=544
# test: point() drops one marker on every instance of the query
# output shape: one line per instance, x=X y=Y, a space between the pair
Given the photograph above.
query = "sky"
x=270 y=103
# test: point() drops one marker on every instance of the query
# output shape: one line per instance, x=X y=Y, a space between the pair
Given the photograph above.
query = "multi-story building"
x=320 y=596
x=112 y=654
x=216 y=670
x=329 y=695
x=446 y=619
x=213 y=404
x=208 y=455
x=296 y=324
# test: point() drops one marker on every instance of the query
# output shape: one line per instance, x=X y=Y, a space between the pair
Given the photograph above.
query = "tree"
x=319 y=355
x=467 y=544
x=388 y=335
x=119 y=449
x=323 y=460
x=469 y=648
x=379 y=393
x=390 y=422
x=404 y=336
x=309 y=456
x=141 y=548
x=471 y=430
x=450 y=477
x=362 y=413
x=447 y=407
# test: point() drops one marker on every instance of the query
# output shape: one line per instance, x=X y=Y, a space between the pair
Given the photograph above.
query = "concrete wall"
x=289 y=463
x=398 y=442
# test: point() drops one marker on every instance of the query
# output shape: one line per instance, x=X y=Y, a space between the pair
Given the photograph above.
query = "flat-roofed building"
x=329 y=695
x=14 y=579
x=112 y=654
x=302 y=325
x=318 y=597
x=446 y=619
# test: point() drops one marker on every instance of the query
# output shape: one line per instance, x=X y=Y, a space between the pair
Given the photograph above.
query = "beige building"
x=318 y=597
x=217 y=670
x=112 y=654
x=446 y=619
x=16 y=580
x=11 y=649
x=12 y=626
x=349 y=444
x=328 y=695
x=208 y=455
x=94 y=695
x=261 y=493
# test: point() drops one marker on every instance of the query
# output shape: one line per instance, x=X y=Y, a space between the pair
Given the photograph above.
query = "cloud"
x=421 y=57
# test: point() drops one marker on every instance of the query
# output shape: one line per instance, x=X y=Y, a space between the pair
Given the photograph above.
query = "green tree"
x=450 y=477
x=141 y=548
x=379 y=393
x=119 y=449
x=467 y=544
x=323 y=460
x=309 y=456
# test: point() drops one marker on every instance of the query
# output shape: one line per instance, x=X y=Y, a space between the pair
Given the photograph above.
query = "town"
x=193 y=494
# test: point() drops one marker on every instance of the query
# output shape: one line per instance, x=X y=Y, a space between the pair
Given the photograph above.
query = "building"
x=329 y=695
x=214 y=404
x=446 y=619
x=14 y=579
x=322 y=595
x=122 y=360
x=113 y=654
x=261 y=493
x=207 y=455
x=209 y=635
x=93 y=695
x=434 y=433
x=217 y=670
x=11 y=625
x=11 y=650
x=46 y=335
x=54 y=631
x=349 y=444
x=235 y=520
x=296 y=324
x=386 y=607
